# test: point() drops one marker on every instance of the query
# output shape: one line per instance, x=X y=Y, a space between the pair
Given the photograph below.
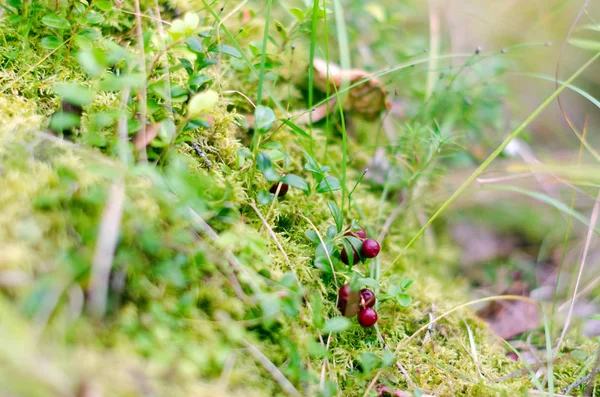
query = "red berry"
x=367 y=317
x=367 y=298
x=370 y=248
x=345 y=259
x=361 y=234
x=348 y=301
x=512 y=356
x=282 y=191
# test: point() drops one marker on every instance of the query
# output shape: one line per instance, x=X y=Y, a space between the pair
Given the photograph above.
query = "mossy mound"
x=209 y=291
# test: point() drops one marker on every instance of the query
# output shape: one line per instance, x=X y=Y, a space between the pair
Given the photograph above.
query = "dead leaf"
x=369 y=98
x=511 y=318
x=141 y=139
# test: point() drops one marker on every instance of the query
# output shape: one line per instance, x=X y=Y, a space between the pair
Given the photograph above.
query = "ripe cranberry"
x=367 y=317
x=345 y=259
x=367 y=298
x=348 y=301
x=282 y=191
x=361 y=234
x=370 y=248
x=512 y=356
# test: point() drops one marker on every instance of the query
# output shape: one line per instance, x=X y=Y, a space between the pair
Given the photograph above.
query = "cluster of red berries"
x=369 y=249
x=350 y=303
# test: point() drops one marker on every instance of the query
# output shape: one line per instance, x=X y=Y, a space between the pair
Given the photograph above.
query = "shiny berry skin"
x=282 y=191
x=348 y=301
x=367 y=298
x=367 y=317
x=361 y=234
x=370 y=248
x=345 y=259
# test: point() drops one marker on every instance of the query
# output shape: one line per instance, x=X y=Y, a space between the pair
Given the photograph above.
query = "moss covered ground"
x=213 y=287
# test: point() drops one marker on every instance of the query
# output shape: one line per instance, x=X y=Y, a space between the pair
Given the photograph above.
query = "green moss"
x=181 y=301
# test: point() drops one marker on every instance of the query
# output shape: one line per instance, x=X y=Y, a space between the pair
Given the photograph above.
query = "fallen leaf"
x=511 y=318
x=369 y=98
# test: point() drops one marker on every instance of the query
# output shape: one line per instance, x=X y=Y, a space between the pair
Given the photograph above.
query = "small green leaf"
x=51 y=42
x=265 y=166
x=110 y=82
x=75 y=94
x=62 y=121
x=203 y=102
x=194 y=45
x=241 y=155
x=368 y=361
x=298 y=13
x=264 y=117
x=595 y=317
x=103 y=5
x=225 y=49
x=337 y=215
x=404 y=300
x=406 y=284
x=297 y=182
x=55 y=21
x=336 y=325
x=349 y=251
x=196 y=81
x=331 y=232
x=329 y=184
x=270 y=306
x=295 y=129
x=312 y=236
x=93 y=18
x=593 y=45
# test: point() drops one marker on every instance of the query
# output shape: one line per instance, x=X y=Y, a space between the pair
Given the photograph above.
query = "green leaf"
x=62 y=121
x=349 y=251
x=404 y=300
x=295 y=129
x=329 y=184
x=74 y=93
x=298 y=13
x=93 y=18
x=368 y=361
x=336 y=325
x=406 y=283
x=265 y=166
x=83 y=42
x=103 y=5
x=196 y=81
x=241 y=155
x=297 y=182
x=203 y=102
x=312 y=236
x=194 y=45
x=51 y=42
x=595 y=317
x=337 y=215
x=117 y=83
x=225 y=49
x=270 y=306
x=55 y=21
x=264 y=117
x=593 y=45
